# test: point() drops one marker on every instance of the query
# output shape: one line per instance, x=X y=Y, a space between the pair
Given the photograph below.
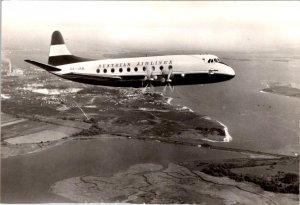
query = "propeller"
x=168 y=85
x=148 y=85
x=165 y=78
x=149 y=77
x=169 y=75
x=168 y=81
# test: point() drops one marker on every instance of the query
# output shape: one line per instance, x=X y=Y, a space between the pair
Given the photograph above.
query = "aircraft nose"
x=226 y=70
x=229 y=71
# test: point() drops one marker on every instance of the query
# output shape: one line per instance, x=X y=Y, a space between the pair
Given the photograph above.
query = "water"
x=256 y=121
x=28 y=178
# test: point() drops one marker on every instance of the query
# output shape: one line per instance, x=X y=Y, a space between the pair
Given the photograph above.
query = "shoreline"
x=96 y=132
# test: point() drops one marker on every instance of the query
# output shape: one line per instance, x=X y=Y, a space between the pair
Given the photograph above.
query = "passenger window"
x=153 y=68
x=98 y=70
x=112 y=70
x=120 y=70
x=170 y=67
x=135 y=69
x=128 y=69
x=144 y=68
x=161 y=67
x=105 y=71
x=215 y=60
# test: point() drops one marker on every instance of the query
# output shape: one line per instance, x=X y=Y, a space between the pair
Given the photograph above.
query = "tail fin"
x=59 y=53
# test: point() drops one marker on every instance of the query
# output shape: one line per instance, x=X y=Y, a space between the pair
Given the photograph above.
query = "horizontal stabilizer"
x=47 y=67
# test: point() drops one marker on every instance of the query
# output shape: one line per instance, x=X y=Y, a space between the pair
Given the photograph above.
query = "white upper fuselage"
x=157 y=65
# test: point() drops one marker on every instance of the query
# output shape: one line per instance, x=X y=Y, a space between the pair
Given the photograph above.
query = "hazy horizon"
x=233 y=26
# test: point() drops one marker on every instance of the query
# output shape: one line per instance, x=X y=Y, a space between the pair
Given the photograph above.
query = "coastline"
x=129 y=114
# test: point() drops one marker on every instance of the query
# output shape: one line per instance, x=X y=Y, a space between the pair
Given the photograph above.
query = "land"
x=285 y=90
x=275 y=175
x=34 y=121
x=174 y=184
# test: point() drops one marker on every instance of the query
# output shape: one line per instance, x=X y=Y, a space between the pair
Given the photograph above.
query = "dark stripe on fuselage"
x=66 y=59
x=188 y=79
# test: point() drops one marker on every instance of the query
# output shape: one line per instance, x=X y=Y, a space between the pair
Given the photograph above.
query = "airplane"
x=134 y=72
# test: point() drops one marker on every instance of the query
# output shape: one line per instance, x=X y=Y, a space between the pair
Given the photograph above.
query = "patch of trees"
x=281 y=182
x=212 y=131
x=93 y=130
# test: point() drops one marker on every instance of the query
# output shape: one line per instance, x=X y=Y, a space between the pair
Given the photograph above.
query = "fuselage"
x=137 y=72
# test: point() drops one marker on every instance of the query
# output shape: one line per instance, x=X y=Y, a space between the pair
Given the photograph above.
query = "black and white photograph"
x=150 y=102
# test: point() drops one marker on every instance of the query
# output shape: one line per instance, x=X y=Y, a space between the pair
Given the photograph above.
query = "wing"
x=190 y=72
x=74 y=75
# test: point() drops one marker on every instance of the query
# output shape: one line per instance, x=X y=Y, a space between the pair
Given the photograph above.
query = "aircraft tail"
x=59 y=54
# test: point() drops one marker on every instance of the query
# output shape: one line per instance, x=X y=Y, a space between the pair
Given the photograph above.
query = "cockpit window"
x=213 y=60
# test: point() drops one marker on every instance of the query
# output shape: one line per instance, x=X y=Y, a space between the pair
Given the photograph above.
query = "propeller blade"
x=172 y=88
x=145 y=88
x=165 y=88
x=152 y=87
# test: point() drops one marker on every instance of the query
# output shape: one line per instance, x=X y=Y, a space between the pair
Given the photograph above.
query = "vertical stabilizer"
x=59 y=54
x=58 y=46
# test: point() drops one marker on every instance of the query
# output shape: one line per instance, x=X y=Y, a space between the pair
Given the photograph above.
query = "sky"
x=217 y=25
